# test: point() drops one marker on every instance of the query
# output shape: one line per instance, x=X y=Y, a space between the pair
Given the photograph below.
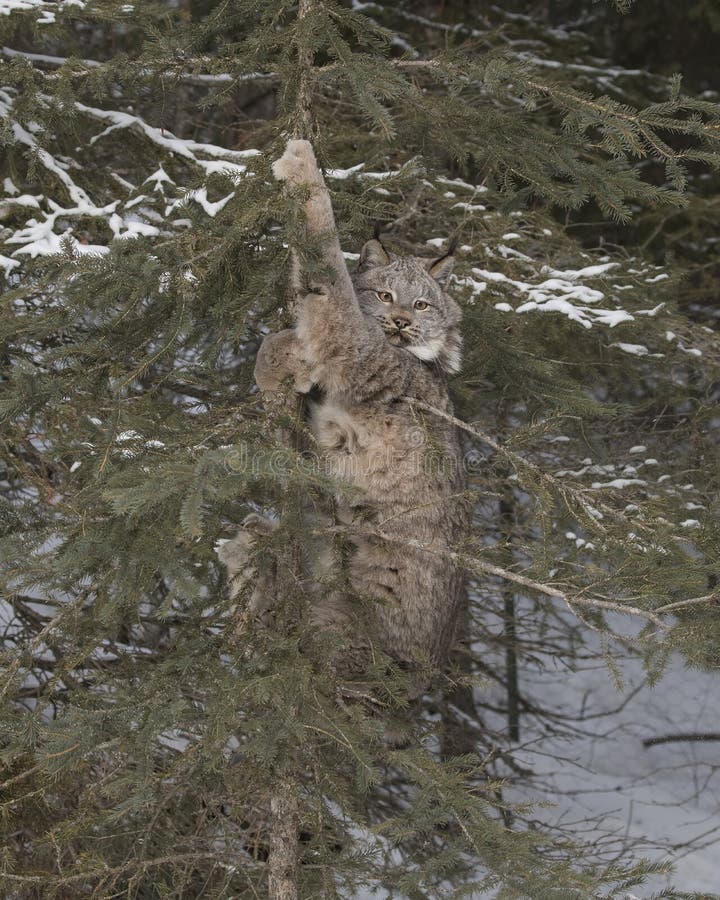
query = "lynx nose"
x=401 y=320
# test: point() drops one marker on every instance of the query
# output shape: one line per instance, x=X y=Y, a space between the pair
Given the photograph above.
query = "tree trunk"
x=282 y=857
x=507 y=521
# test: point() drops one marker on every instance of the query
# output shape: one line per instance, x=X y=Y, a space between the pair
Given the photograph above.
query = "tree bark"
x=284 y=809
x=303 y=127
x=282 y=856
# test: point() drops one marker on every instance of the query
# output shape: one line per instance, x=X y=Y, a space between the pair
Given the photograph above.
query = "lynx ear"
x=440 y=269
x=372 y=255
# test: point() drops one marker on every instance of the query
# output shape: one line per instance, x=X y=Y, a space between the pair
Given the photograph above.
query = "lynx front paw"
x=297 y=165
x=280 y=358
x=258 y=524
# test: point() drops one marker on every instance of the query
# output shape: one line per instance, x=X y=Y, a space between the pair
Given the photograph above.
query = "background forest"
x=153 y=742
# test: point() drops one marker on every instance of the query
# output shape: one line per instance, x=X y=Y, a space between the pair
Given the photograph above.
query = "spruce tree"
x=155 y=742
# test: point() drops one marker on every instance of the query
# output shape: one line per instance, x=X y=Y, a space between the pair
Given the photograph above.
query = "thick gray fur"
x=370 y=358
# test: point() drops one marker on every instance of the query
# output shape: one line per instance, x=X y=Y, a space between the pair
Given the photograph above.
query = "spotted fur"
x=371 y=344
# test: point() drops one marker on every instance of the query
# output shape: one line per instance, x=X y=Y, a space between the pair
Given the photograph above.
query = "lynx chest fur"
x=407 y=466
x=393 y=451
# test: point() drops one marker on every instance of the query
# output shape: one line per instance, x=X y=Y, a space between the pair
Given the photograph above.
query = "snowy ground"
x=663 y=800
x=601 y=785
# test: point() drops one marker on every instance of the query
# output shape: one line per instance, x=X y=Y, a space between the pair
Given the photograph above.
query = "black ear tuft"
x=440 y=268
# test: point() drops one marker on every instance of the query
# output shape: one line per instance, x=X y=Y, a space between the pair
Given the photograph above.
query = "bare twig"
x=692 y=601
x=672 y=738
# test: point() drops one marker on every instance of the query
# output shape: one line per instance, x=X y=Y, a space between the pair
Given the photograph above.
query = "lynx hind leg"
x=280 y=358
x=297 y=165
x=333 y=614
x=236 y=555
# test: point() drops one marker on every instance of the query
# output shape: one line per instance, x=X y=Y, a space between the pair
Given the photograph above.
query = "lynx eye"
x=421 y=304
x=385 y=296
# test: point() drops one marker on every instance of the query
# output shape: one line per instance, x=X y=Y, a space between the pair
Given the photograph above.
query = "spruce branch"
x=79 y=68
x=480 y=567
x=66 y=612
x=102 y=874
x=573 y=499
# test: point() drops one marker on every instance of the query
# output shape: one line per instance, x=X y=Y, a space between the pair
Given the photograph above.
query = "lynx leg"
x=297 y=167
x=236 y=555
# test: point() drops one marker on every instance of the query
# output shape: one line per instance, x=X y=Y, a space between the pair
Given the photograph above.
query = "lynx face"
x=406 y=297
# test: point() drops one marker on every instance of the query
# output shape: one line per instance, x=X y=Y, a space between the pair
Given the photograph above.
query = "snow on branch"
x=44 y=59
x=46 y=12
x=573 y=293
x=165 y=139
x=49 y=223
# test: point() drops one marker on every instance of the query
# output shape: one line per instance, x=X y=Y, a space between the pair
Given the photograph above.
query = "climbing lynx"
x=370 y=344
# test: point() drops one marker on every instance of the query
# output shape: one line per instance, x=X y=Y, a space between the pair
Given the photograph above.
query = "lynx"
x=369 y=345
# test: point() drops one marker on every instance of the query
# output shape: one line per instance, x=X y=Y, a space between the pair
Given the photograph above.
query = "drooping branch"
x=481 y=567
x=518 y=462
